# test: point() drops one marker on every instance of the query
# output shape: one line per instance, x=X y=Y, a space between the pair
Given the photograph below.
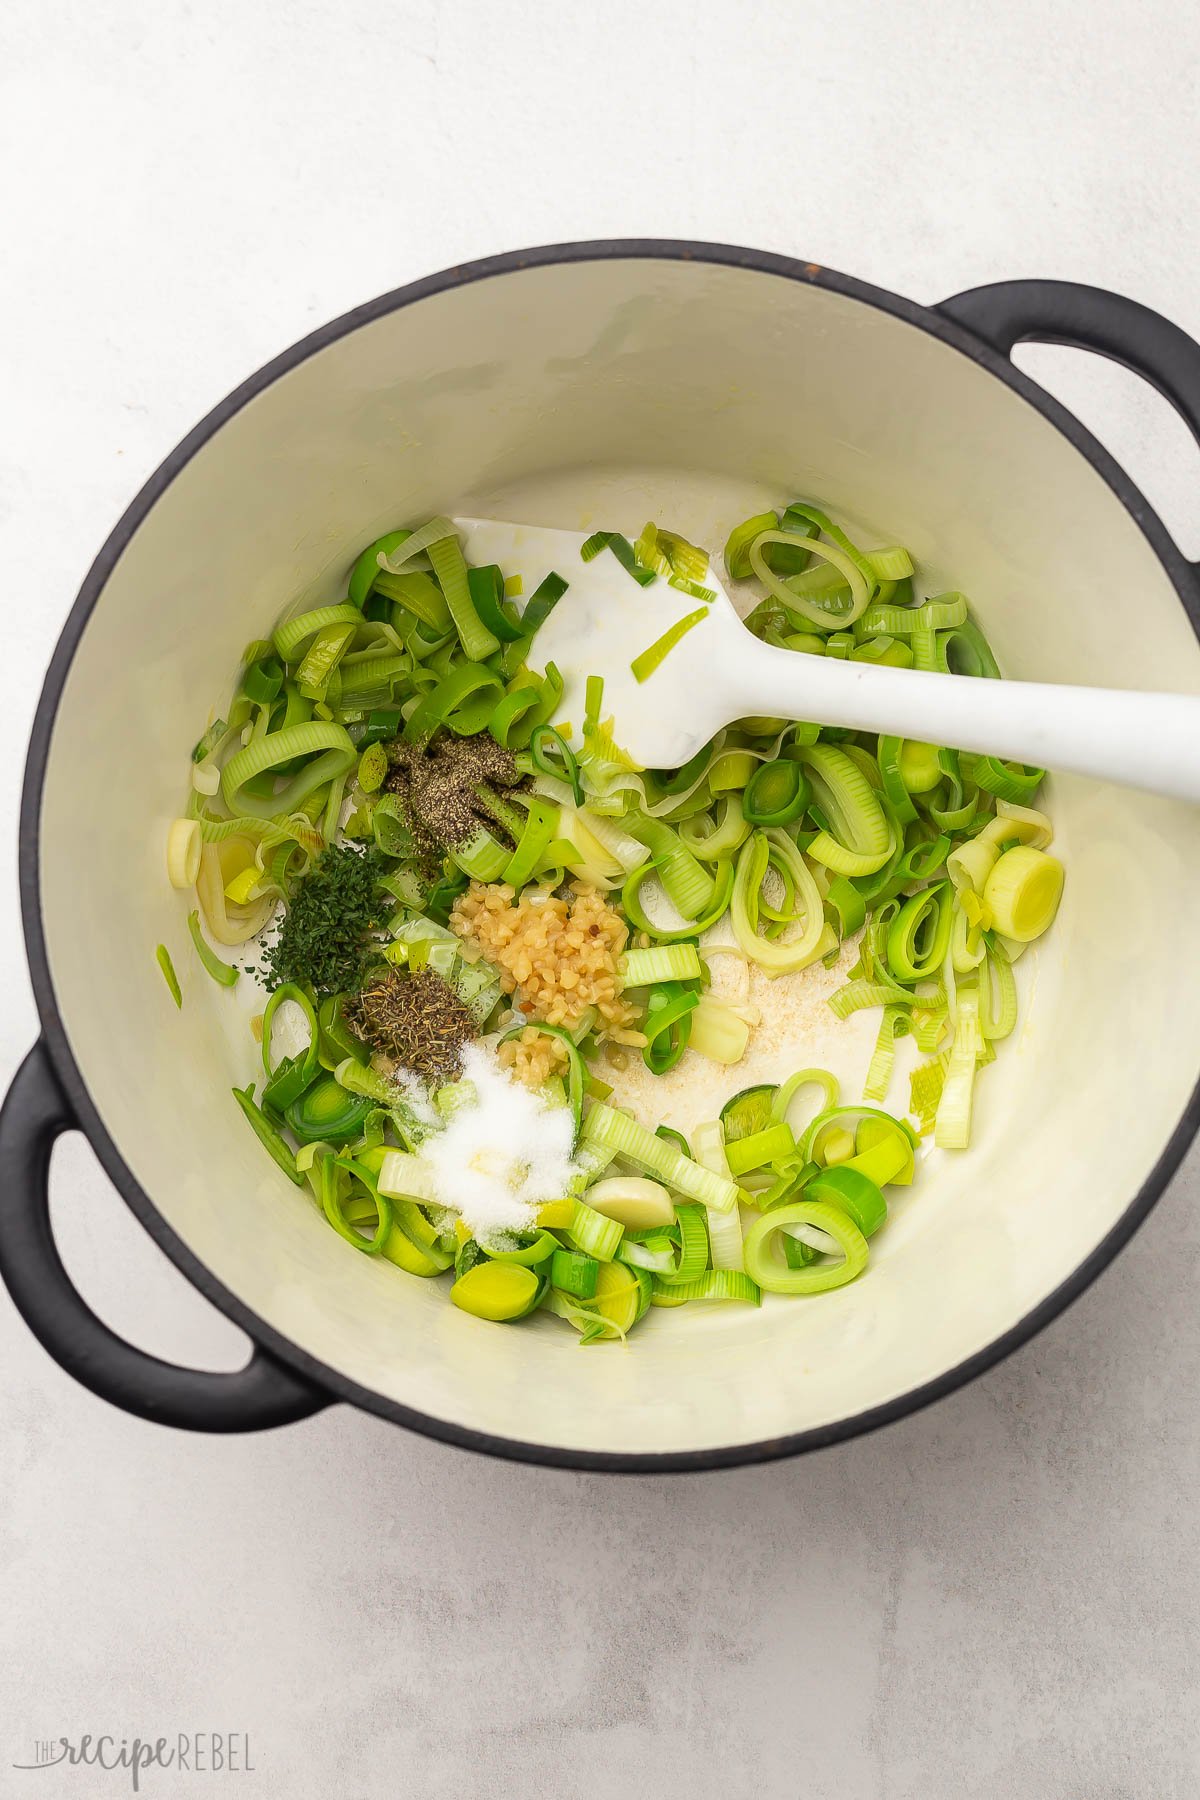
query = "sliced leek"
x=665 y=962
x=654 y=656
x=764 y=1258
x=1023 y=891
x=774 y=850
x=775 y=845
x=225 y=974
x=859 y=837
x=617 y=1131
x=184 y=845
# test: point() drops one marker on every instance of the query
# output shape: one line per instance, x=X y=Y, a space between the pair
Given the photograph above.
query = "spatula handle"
x=1140 y=740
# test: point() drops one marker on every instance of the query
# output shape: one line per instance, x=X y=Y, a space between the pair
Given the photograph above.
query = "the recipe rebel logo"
x=192 y=1752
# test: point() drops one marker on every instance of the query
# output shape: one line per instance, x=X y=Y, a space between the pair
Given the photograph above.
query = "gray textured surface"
x=991 y=1601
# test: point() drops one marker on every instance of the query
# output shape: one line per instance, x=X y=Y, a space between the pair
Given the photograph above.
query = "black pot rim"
x=341 y=1387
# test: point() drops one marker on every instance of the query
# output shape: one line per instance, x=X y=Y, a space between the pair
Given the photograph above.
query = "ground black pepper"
x=436 y=784
x=417 y=1020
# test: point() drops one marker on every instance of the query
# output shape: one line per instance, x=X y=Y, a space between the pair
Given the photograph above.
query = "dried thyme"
x=416 y=1020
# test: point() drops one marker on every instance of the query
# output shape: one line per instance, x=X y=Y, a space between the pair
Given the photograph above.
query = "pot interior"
x=604 y=393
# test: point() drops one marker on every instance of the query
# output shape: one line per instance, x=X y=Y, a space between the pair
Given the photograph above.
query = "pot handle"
x=1005 y=313
x=264 y=1393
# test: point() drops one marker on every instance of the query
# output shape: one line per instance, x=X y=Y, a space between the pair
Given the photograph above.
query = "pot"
x=569 y=385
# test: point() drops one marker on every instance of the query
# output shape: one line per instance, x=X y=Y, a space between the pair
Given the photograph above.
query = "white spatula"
x=719 y=672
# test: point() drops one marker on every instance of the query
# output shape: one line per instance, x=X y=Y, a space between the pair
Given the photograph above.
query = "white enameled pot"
x=573 y=386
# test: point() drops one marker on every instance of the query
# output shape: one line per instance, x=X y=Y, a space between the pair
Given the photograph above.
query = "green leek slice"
x=163 y=957
x=715 y=1284
x=644 y=665
x=327 y=752
x=574 y=1273
x=763 y=1253
x=268 y=1137
x=501 y=1292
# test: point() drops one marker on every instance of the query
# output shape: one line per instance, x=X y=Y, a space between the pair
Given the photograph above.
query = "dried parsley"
x=417 y=1020
x=326 y=939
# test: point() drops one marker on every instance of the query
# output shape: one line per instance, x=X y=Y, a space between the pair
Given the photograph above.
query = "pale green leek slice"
x=724 y=1228
x=663 y=962
x=764 y=1263
x=718 y=1032
x=858 y=584
x=595 y=1233
x=329 y=752
x=785 y=1093
x=952 y=1129
x=644 y=665
x=895 y=1023
x=859 y=839
x=775 y=955
x=718 y=1284
x=617 y=1131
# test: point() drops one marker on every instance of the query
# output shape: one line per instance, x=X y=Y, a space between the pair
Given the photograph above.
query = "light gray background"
x=995 y=1599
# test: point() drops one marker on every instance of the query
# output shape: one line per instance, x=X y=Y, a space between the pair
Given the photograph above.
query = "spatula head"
x=605 y=620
